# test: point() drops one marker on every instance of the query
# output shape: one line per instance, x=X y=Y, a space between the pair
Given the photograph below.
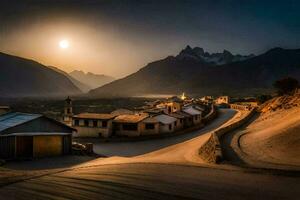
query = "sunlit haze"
x=117 y=38
x=64 y=44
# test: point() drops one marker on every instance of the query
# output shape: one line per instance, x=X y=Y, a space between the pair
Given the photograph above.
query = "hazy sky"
x=117 y=37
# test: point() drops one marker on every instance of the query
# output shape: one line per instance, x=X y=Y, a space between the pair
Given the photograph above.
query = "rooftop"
x=9 y=120
x=34 y=134
x=183 y=113
x=131 y=118
x=192 y=111
x=4 y=107
x=121 y=111
x=95 y=116
x=177 y=115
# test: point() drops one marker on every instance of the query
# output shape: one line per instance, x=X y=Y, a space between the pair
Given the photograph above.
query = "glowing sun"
x=64 y=44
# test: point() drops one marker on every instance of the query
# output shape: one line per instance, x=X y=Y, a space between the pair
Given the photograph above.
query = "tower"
x=68 y=111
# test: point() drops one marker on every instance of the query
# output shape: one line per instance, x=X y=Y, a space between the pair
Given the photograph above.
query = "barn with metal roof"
x=24 y=135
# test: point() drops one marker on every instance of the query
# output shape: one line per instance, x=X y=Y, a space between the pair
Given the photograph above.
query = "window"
x=86 y=122
x=181 y=121
x=170 y=126
x=95 y=123
x=130 y=127
x=68 y=110
x=104 y=124
x=76 y=122
x=169 y=109
x=149 y=126
x=175 y=123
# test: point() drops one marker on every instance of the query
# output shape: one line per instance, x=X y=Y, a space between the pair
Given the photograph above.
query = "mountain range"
x=192 y=71
x=91 y=80
x=199 y=54
x=199 y=73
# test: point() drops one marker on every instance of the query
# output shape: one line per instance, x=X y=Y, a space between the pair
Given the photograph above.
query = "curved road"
x=166 y=173
x=135 y=148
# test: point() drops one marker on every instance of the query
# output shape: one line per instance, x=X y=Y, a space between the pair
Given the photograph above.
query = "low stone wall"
x=211 y=115
x=211 y=151
x=240 y=107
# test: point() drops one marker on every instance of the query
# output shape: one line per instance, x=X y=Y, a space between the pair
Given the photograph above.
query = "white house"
x=93 y=124
x=195 y=113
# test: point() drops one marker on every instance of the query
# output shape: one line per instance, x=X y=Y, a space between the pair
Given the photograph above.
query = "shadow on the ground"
x=47 y=163
x=229 y=154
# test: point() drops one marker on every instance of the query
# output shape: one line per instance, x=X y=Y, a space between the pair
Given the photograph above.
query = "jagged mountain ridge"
x=174 y=75
x=198 y=53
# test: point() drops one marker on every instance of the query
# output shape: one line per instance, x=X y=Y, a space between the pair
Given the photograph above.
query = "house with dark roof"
x=129 y=124
x=24 y=135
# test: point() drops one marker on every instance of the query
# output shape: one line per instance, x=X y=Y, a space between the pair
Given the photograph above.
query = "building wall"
x=188 y=122
x=91 y=130
x=50 y=145
x=179 y=125
x=38 y=125
x=133 y=133
x=197 y=119
x=164 y=128
x=222 y=99
x=145 y=131
x=7 y=147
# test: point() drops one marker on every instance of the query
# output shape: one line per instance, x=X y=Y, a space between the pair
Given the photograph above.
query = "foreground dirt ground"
x=153 y=181
x=173 y=172
x=274 y=137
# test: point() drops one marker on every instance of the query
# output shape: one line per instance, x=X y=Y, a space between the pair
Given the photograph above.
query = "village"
x=27 y=135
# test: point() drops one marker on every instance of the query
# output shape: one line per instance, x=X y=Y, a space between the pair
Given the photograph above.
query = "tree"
x=286 y=85
x=263 y=98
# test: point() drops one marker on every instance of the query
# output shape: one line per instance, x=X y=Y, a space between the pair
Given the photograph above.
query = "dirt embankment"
x=274 y=137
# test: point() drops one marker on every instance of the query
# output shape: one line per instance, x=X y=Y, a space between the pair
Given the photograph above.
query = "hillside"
x=26 y=78
x=241 y=75
x=274 y=136
x=91 y=80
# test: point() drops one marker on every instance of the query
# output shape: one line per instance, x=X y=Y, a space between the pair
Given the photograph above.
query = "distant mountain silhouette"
x=198 y=53
x=83 y=87
x=91 y=80
x=194 y=75
x=21 y=77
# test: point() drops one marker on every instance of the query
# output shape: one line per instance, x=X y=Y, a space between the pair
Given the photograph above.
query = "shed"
x=24 y=135
x=16 y=122
x=35 y=145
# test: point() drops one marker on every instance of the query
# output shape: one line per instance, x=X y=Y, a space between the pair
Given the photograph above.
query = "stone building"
x=196 y=114
x=129 y=124
x=223 y=100
x=93 y=124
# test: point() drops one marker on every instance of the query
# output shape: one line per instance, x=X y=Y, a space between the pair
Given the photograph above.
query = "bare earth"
x=274 y=137
x=168 y=172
